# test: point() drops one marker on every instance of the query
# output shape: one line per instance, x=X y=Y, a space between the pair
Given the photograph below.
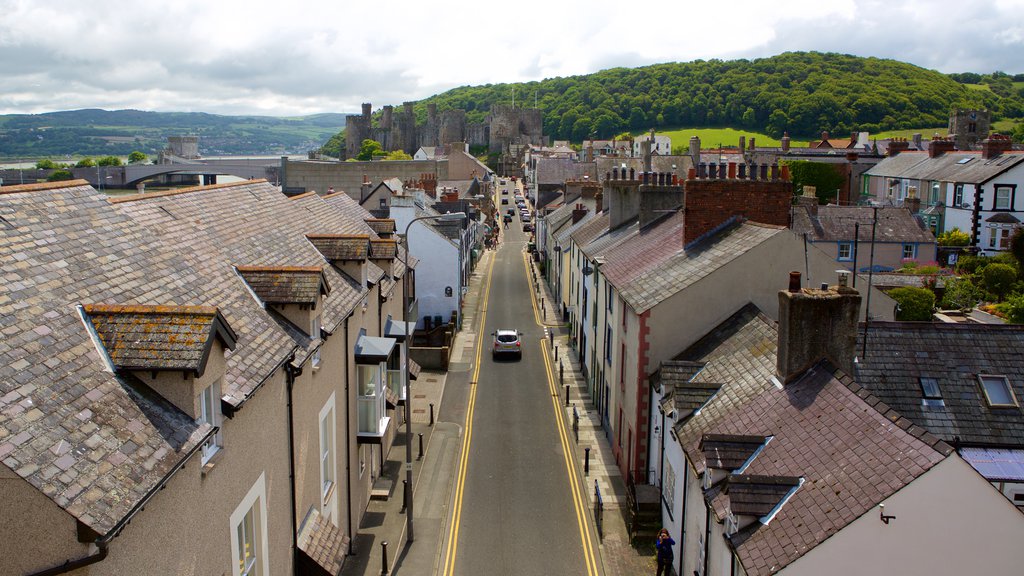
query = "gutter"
x=104 y=541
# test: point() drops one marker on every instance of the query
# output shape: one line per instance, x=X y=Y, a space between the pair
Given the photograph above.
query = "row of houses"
x=197 y=381
x=750 y=412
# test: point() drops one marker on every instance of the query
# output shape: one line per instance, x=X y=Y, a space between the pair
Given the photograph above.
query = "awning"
x=996 y=464
x=414 y=369
x=397 y=329
x=372 y=349
x=322 y=546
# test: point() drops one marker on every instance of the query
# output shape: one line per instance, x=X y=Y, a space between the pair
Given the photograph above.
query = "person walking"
x=664 y=547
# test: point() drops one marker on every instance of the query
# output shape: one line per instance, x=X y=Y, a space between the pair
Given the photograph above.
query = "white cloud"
x=256 y=56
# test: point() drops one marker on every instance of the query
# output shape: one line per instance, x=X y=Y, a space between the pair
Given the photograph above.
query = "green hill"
x=803 y=93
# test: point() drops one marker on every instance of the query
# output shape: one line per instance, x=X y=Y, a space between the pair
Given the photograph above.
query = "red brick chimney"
x=995 y=145
x=939 y=146
x=897 y=145
x=815 y=324
x=711 y=202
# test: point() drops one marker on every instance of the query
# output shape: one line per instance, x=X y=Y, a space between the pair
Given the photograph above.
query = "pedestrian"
x=664 y=547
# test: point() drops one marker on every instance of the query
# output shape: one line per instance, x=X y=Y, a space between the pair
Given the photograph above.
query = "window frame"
x=958 y=195
x=927 y=382
x=997 y=379
x=849 y=252
x=1010 y=191
x=328 y=457
x=209 y=413
x=314 y=333
x=254 y=506
x=912 y=248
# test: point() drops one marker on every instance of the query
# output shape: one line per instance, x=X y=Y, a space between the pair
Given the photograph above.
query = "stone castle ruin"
x=504 y=125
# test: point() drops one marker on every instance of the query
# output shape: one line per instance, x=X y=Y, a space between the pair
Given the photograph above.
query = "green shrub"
x=62 y=174
x=960 y=294
x=999 y=278
x=954 y=237
x=1015 y=309
x=915 y=304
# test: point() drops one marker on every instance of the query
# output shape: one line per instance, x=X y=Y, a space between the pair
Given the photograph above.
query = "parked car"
x=507 y=342
x=504 y=200
x=510 y=211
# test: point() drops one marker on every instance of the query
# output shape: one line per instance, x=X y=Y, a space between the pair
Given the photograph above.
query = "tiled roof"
x=383 y=249
x=899 y=354
x=92 y=441
x=643 y=251
x=686 y=267
x=139 y=337
x=754 y=495
x=340 y=247
x=680 y=394
x=382 y=226
x=286 y=284
x=838 y=223
x=829 y=431
x=251 y=224
x=947 y=167
x=594 y=227
x=323 y=544
x=729 y=451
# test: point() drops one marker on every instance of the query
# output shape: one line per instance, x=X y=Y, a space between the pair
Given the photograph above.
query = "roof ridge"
x=341 y=236
x=41 y=186
x=303 y=195
x=286 y=269
x=95 y=309
x=166 y=193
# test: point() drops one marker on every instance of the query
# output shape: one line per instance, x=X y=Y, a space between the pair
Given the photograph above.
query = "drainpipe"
x=682 y=517
x=707 y=536
x=348 y=451
x=291 y=373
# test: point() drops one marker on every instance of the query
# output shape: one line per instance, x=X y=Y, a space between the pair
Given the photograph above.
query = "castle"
x=504 y=125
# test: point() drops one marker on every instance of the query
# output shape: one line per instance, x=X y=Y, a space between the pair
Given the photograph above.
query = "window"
x=668 y=491
x=930 y=388
x=314 y=333
x=845 y=251
x=997 y=391
x=909 y=251
x=607 y=297
x=327 y=463
x=1004 y=198
x=934 y=197
x=958 y=195
x=249 y=532
x=608 y=346
x=209 y=413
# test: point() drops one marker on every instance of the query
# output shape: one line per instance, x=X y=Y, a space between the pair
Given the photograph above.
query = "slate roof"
x=217 y=228
x=900 y=353
x=679 y=394
x=341 y=247
x=837 y=223
x=754 y=495
x=286 y=284
x=830 y=432
x=138 y=337
x=383 y=249
x=729 y=452
x=382 y=226
x=686 y=267
x=946 y=167
x=322 y=543
x=555 y=171
x=96 y=443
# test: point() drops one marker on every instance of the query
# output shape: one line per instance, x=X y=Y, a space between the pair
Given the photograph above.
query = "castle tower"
x=969 y=127
x=357 y=129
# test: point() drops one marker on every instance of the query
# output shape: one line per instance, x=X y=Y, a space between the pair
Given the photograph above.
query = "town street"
x=518 y=507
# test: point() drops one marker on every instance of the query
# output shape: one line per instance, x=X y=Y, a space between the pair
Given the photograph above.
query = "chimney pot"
x=824 y=285
x=691 y=174
x=732 y=169
x=794 y=281
x=844 y=278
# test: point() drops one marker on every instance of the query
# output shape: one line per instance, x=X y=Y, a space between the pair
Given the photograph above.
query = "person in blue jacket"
x=664 y=547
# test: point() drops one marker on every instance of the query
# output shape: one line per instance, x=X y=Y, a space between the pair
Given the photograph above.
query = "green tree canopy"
x=59 y=175
x=998 y=278
x=915 y=304
x=109 y=161
x=85 y=163
x=824 y=177
x=368 y=149
x=954 y=237
x=398 y=155
x=960 y=294
x=137 y=157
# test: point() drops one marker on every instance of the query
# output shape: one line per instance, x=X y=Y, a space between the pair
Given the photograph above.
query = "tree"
x=397 y=155
x=109 y=161
x=1017 y=247
x=998 y=279
x=335 y=147
x=960 y=294
x=61 y=174
x=824 y=177
x=85 y=163
x=137 y=157
x=46 y=164
x=915 y=304
x=1015 y=309
x=368 y=149
x=954 y=237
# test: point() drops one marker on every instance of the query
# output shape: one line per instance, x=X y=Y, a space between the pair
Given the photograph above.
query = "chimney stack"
x=897 y=145
x=995 y=145
x=939 y=146
x=916 y=138
x=912 y=202
x=816 y=324
x=809 y=200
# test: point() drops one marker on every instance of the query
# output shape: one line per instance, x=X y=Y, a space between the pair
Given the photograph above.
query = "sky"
x=311 y=56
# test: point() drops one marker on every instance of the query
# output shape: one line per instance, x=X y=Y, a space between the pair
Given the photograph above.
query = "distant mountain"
x=803 y=93
x=94 y=132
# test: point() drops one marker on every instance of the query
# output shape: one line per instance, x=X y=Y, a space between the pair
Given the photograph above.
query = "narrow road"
x=517 y=508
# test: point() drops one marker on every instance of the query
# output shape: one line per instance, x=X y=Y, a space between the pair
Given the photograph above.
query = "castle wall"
x=302 y=176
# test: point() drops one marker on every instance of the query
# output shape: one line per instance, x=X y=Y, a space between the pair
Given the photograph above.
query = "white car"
x=507 y=342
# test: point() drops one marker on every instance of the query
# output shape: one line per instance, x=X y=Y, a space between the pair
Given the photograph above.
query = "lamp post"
x=408 y=395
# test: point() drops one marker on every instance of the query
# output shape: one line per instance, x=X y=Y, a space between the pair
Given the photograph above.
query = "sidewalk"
x=433 y=475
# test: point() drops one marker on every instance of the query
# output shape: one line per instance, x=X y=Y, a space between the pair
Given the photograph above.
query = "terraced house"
x=198 y=381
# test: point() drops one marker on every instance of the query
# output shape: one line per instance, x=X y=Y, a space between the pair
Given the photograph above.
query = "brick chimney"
x=897 y=145
x=814 y=324
x=995 y=145
x=658 y=196
x=912 y=202
x=578 y=213
x=939 y=146
x=754 y=195
x=809 y=200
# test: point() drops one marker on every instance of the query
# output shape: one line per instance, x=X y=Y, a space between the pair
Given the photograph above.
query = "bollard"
x=420 y=457
x=556 y=354
x=431 y=413
x=551 y=337
x=542 y=306
x=586 y=460
x=384 y=558
x=405 y=496
x=566 y=394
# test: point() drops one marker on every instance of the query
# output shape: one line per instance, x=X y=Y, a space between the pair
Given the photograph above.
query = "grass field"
x=908 y=134
x=714 y=137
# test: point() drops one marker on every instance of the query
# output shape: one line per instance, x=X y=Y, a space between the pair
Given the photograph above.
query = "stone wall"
x=311 y=175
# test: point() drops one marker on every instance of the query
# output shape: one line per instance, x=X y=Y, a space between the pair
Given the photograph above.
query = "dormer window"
x=997 y=390
x=930 y=393
x=209 y=413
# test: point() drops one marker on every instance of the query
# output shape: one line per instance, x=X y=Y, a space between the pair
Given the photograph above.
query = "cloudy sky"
x=301 y=57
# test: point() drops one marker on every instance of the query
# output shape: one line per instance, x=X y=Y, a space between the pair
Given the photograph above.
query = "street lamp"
x=408 y=395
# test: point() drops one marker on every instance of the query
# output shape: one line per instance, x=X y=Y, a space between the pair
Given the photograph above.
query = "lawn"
x=909 y=133
x=714 y=137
